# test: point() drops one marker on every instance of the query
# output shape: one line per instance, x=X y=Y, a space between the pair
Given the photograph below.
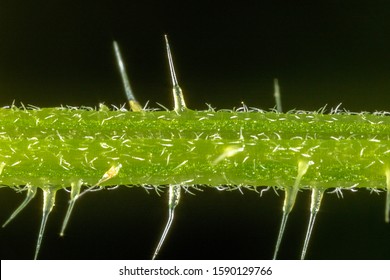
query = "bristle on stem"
x=178 y=96
x=387 y=207
x=290 y=195
x=134 y=104
x=316 y=198
x=278 y=97
x=174 y=197
x=49 y=195
x=31 y=192
x=74 y=195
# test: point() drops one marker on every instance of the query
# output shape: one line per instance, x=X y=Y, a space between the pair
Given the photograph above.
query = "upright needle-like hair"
x=278 y=97
x=316 y=198
x=31 y=192
x=49 y=196
x=178 y=97
x=290 y=195
x=134 y=104
x=174 y=197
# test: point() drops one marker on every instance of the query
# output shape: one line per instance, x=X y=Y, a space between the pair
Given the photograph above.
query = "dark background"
x=225 y=52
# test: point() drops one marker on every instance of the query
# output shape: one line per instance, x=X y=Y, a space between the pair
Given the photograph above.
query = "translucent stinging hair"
x=178 y=96
x=134 y=104
x=174 y=197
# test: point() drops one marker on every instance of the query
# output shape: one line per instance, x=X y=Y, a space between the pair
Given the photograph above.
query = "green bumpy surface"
x=57 y=146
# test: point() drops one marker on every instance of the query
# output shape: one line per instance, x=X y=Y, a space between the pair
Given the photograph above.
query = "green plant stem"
x=57 y=146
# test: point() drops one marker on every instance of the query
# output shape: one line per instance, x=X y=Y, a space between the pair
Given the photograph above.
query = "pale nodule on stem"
x=74 y=195
x=290 y=195
x=31 y=192
x=178 y=96
x=2 y=165
x=174 y=197
x=49 y=196
x=278 y=97
x=316 y=198
x=110 y=173
x=134 y=104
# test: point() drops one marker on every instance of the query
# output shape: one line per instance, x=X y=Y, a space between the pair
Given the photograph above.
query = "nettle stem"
x=55 y=148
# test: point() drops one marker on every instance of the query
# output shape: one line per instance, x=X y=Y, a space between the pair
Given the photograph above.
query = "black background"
x=225 y=53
